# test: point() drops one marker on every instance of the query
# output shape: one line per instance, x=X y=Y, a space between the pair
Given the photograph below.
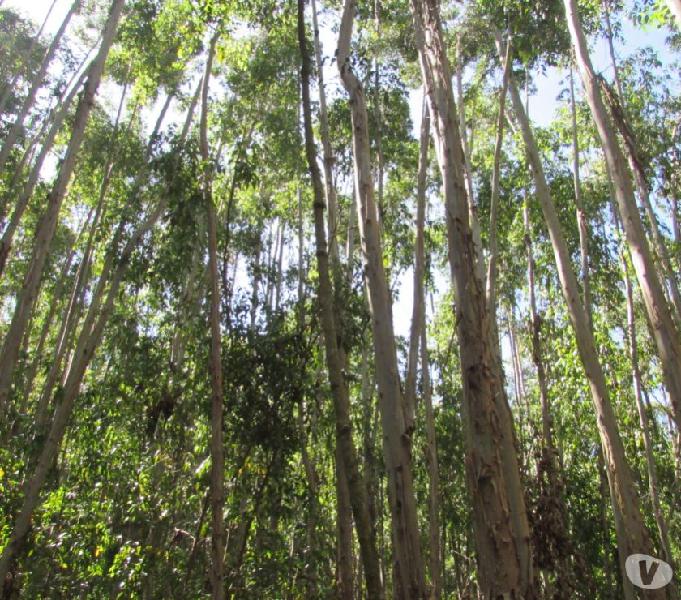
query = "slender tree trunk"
x=217 y=477
x=57 y=299
x=467 y=167
x=418 y=299
x=48 y=223
x=29 y=186
x=333 y=346
x=579 y=206
x=89 y=338
x=36 y=83
x=257 y=276
x=493 y=477
x=664 y=329
x=653 y=487
x=71 y=313
x=494 y=201
x=419 y=312
x=329 y=159
x=344 y=566
x=637 y=168
x=632 y=535
x=406 y=544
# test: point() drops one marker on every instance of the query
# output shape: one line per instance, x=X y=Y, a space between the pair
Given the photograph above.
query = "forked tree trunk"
x=632 y=534
x=663 y=326
x=407 y=561
x=493 y=477
x=333 y=348
x=48 y=223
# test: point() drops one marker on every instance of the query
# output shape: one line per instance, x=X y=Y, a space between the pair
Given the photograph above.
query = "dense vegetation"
x=298 y=301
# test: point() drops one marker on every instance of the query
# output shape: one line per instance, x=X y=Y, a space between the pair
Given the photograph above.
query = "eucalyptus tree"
x=493 y=476
x=666 y=333
x=45 y=232
x=406 y=543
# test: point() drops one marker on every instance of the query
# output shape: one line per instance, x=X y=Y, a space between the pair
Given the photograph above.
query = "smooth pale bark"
x=493 y=477
x=344 y=566
x=494 y=200
x=653 y=488
x=632 y=534
x=467 y=167
x=335 y=360
x=77 y=78
x=418 y=296
x=257 y=276
x=48 y=223
x=579 y=207
x=435 y=562
x=344 y=559
x=36 y=83
x=535 y=325
x=408 y=565
x=29 y=186
x=329 y=159
x=634 y=159
x=419 y=312
x=56 y=299
x=217 y=471
x=664 y=329
x=378 y=125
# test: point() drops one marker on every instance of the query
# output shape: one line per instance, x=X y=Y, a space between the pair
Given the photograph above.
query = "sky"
x=542 y=104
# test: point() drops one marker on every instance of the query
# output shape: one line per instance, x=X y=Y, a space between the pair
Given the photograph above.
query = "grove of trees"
x=345 y=300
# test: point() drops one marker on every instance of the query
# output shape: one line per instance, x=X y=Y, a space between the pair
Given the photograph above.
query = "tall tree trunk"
x=329 y=159
x=555 y=544
x=36 y=83
x=467 y=167
x=579 y=207
x=88 y=341
x=333 y=346
x=396 y=447
x=660 y=521
x=632 y=534
x=344 y=566
x=494 y=200
x=664 y=329
x=217 y=471
x=29 y=186
x=418 y=297
x=48 y=223
x=493 y=477
x=635 y=160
